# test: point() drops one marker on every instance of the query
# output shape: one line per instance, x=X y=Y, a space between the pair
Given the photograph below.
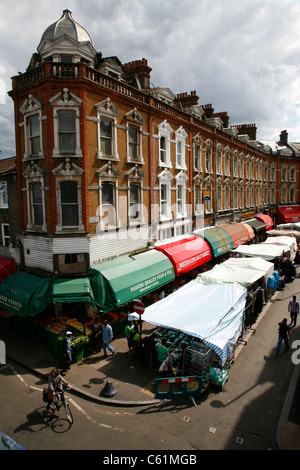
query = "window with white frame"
x=133 y=143
x=135 y=201
x=108 y=196
x=241 y=165
x=135 y=121
x=284 y=173
x=227 y=195
x=293 y=174
x=181 y=209
x=273 y=173
x=266 y=172
x=292 y=194
x=198 y=204
x=164 y=132
x=219 y=195
x=227 y=161
x=235 y=164
x=107 y=114
x=272 y=194
x=165 y=211
x=235 y=195
x=5 y=231
x=219 y=159
x=3 y=195
x=108 y=205
x=208 y=156
x=35 y=190
x=241 y=196
x=66 y=119
x=69 y=204
x=32 y=112
x=284 y=194
x=180 y=136
x=197 y=152
x=266 y=194
x=37 y=212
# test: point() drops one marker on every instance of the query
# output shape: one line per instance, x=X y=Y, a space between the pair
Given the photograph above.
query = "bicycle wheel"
x=68 y=412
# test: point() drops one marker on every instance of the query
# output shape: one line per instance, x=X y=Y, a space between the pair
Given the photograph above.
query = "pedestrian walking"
x=97 y=335
x=107 y=336
x=67 y=350
x=283 y=335
x=293 y=308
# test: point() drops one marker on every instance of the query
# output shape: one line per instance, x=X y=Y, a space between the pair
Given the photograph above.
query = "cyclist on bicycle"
x=55 y=383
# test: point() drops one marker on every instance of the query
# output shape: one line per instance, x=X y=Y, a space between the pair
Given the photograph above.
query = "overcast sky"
x=243 y=56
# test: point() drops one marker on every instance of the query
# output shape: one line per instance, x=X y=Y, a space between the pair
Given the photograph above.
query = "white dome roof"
x=66 y=25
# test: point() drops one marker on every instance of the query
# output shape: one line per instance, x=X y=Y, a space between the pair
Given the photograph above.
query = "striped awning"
x=213 y=313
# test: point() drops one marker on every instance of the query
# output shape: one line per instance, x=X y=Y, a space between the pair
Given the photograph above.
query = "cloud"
x=243 y=57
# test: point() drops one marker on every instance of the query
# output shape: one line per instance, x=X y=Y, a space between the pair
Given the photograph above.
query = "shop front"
x=120 y=281
x=288 y=214
x=219 y=241
x=186 y=253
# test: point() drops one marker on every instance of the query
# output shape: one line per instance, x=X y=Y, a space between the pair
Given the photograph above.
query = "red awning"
x=289 y=215
x=7 y=267
x=187 y=253
x=266 y=219
x=237 y=232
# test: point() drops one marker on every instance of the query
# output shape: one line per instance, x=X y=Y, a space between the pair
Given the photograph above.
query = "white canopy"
x=291 y=226
x=213 y=313
x=284 y=241
x=236 y=270
x=255 y=263
x=263 y=250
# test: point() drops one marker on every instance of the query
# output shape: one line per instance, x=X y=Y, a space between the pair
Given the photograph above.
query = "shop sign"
x=206 y=195
x=248 y=215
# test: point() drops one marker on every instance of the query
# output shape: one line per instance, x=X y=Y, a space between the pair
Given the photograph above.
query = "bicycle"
x=59 y=401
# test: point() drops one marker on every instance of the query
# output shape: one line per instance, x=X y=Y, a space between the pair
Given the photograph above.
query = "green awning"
x=219 y=240
x=124 y=279
x=72 y=290
x=25 y=295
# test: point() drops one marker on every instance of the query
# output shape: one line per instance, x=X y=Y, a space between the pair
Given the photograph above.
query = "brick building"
x=108 y=165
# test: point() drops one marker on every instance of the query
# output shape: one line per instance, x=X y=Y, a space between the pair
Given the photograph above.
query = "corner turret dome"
x=66 y=38
x=66 y=25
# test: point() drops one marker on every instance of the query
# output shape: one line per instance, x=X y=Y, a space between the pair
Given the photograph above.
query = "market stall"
x=219 y=241
x=185 y=253
x=211 y=313
x=266 y=251
x=285 y=242
x=120 y=281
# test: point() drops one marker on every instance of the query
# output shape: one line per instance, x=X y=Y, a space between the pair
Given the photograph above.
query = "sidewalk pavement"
x=89 y=376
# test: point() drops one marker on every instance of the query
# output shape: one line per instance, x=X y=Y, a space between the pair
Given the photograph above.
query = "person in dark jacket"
x=283 y=335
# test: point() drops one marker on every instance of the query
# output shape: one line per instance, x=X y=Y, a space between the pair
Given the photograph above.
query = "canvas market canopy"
x=213 y=313
x=185 y=253
x=242 y=274
x=263 y=250
x=219 y=241
x=122 y=280
x=25 y=295
x=284 y=241
x=72 y=290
